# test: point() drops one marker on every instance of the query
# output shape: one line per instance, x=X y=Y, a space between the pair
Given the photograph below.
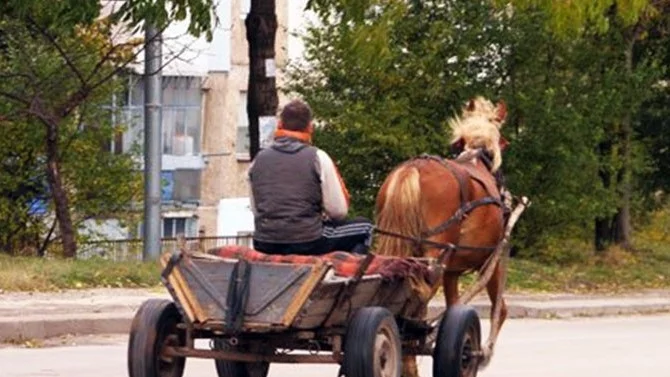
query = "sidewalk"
x=107 y=311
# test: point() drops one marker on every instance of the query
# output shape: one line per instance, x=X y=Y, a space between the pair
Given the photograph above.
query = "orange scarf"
x=302 y=136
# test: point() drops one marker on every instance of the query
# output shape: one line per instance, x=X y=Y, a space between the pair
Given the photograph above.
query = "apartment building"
x=204 y=121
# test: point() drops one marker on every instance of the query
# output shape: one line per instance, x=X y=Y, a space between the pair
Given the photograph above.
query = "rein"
x=418 y=242
x=461 y=212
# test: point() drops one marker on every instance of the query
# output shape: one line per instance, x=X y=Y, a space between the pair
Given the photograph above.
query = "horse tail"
x=400 y=212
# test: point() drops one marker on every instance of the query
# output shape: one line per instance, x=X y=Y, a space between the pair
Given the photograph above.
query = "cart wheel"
x=458 y=343
x=372 y=345
x=227 y=368
x=155 y=326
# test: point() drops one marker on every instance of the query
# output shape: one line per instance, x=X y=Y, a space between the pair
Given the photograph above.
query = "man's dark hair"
x=296 y=115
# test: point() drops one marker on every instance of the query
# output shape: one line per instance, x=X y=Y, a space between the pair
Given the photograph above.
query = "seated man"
x=298 y=197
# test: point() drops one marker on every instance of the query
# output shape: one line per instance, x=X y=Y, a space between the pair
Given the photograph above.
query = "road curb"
x=535 y=311
x=17 y=329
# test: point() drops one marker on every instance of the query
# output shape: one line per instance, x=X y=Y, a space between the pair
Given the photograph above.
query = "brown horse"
x=420 y=196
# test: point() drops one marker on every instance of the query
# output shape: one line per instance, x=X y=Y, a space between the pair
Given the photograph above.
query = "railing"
x=131 y=249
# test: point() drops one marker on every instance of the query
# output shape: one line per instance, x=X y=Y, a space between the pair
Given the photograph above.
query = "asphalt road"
x=612 y=347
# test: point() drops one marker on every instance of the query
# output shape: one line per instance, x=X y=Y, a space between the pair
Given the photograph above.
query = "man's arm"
x=251 y=193
x=333 y=189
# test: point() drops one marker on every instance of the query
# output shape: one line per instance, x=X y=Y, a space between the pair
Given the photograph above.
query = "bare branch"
x=14 y=97
x=60 y=50
x=122 y=66
x=13 y=75
x=43 y=248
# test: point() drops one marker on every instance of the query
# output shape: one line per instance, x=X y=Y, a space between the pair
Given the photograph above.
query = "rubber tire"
x=360 y=339
x=151 y=325
x=227 y=368
x=448 y=352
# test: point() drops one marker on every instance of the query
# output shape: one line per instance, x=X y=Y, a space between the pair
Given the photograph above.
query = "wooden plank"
x=178 y=288
x=188 y=292
x=363 y=295
x=318 y=272
x=216 y=274
x=371 y=292
x=272 y=289
x=318 y=305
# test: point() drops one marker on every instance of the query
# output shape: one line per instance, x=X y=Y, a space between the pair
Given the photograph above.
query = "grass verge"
x=580 y=270
x=576 y=270
x=613 y=272
x=34 y=274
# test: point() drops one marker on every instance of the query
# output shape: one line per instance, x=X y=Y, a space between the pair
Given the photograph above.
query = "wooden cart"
x=257 y=313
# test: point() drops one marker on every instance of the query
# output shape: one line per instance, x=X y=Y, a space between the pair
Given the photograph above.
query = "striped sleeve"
x=333 y=189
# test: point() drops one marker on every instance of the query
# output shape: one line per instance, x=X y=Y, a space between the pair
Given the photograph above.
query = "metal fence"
x=131 y=249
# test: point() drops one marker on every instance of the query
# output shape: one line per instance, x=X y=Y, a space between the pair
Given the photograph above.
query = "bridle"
x=465 y=208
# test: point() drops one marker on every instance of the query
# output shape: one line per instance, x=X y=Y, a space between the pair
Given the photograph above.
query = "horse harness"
x=465 y=208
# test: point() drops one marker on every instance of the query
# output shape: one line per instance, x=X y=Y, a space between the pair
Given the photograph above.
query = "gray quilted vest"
x=287 y=193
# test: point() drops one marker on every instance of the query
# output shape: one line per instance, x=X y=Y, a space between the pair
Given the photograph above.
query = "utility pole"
x=262 y=101
x=152 y=144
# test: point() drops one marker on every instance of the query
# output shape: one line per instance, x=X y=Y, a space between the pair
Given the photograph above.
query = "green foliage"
x=385 y=97
x=58 y=67
x=568 y=19
x=66 y=14
x=99 y=183
x=568 y=100
x=386 y=100
x=162 y=12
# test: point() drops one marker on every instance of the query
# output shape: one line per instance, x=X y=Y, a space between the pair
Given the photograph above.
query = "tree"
x=623 y=24
x=261 y=24
x=384 y=82
x=384 y=78
x=59 y=61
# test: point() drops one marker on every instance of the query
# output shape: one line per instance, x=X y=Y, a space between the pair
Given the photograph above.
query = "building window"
x=175 y=226
x=242 y=144
x=181 y=115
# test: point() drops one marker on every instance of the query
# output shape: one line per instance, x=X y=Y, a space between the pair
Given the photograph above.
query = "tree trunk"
x=603 y=232
x=623 y=227
x=261 y=25
x=61 y=201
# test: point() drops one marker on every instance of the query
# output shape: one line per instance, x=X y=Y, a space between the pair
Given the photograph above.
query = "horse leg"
x=494 y=289
x=450 y=287
x=409 y=365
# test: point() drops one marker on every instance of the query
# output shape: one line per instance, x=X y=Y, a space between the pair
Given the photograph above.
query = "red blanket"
x=345 y=264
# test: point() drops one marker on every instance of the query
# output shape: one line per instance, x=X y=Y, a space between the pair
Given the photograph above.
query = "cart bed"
x=303 y=293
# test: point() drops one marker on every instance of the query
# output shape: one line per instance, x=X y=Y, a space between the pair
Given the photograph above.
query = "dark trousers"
x=352 y=235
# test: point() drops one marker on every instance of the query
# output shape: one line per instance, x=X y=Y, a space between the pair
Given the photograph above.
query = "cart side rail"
x=238 y=294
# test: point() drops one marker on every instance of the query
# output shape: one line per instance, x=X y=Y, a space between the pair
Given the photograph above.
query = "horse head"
x=479 y=128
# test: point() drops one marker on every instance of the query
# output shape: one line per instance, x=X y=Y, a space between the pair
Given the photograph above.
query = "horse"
x=422 y=197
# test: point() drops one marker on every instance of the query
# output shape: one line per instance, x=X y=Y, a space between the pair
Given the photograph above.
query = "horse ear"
x=501 y=111
x=503 y=143
x=471 y=105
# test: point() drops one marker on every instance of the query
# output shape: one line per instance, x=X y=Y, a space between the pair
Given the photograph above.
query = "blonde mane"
x=479 y=127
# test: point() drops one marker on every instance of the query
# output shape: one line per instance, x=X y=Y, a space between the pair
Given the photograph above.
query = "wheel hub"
x=384 y=356
x=470 y=355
